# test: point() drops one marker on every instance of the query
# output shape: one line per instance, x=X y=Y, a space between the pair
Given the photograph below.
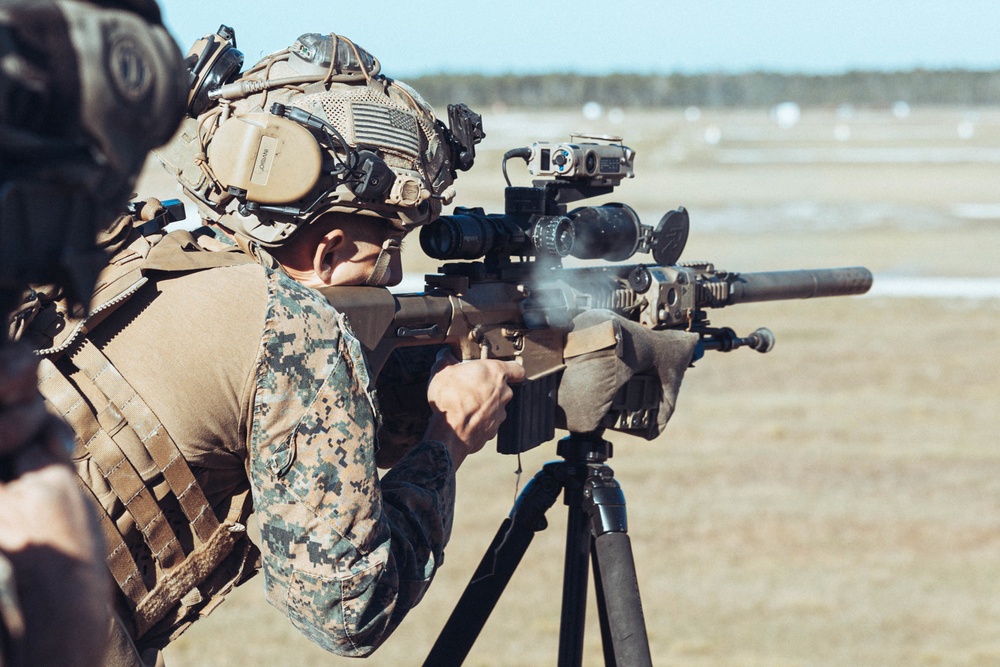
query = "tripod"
x=596 y=533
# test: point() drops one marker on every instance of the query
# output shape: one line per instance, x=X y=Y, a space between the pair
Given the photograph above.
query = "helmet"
x=310 y=129
x=86 y=91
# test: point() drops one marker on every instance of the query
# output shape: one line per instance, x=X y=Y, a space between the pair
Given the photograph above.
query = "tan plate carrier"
x=140 y=466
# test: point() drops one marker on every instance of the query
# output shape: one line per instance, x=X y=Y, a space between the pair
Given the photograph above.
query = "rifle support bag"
x=607 y=357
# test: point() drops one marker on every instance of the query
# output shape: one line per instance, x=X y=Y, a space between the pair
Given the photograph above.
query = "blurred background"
x=832 y=503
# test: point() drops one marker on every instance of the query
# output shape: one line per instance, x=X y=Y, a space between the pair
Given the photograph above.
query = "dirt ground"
x=834 y=502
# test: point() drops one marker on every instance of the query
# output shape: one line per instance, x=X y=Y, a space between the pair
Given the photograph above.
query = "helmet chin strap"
x=391 y=246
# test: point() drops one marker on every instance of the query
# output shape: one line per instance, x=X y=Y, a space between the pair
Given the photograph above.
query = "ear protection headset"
x=310 y=129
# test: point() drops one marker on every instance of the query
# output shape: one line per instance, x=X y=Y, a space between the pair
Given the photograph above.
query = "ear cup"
x=214 y=61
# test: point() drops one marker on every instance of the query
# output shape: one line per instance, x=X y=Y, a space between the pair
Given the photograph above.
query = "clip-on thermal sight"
x=536 y=222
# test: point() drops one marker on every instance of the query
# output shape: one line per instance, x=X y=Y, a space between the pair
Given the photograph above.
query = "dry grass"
x=832 y=503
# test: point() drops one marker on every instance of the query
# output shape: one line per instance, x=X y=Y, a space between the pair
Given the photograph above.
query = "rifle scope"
x=610 y=232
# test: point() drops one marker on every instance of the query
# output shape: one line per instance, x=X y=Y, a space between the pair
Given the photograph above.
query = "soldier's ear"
x=328 y=254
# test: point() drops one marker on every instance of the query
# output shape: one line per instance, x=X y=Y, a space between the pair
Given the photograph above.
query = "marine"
x=211 y=382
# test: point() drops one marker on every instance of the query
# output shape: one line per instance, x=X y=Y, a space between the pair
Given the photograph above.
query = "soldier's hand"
x=468 y=399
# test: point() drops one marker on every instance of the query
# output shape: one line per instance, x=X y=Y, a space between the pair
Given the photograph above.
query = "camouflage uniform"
x=261 y=383
x=345 y=554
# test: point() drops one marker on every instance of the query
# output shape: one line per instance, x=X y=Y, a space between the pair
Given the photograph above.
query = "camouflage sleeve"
x=345 y=555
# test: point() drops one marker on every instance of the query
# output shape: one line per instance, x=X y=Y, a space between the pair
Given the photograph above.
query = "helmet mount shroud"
x=311 y=129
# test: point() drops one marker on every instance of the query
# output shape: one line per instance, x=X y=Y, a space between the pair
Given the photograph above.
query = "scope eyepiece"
x=471 y=234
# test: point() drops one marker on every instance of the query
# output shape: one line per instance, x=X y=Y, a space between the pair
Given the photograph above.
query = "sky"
x=604 y=36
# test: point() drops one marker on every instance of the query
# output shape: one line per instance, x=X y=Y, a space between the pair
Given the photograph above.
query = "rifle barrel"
x=802 y=284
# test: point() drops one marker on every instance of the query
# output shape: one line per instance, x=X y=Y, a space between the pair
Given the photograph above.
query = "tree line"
x=752 y=89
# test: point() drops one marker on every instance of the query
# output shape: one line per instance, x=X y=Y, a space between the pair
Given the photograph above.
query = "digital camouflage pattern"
x=345 y=556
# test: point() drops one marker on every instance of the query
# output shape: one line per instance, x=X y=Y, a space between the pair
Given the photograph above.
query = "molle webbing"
x=131 y=449
x=126 y=407
x=120 y=561
x=116 y=468
x=125 y=425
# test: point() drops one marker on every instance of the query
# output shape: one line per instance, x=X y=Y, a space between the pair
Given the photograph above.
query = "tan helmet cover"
x=263 y=174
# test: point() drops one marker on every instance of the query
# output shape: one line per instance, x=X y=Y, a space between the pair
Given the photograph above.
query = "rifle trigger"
x=409 y=332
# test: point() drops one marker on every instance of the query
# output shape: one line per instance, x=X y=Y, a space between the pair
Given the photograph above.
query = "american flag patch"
x=386 y=127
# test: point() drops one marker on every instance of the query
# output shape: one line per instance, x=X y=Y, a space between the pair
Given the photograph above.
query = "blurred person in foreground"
x=211 y=382
x=86 y=89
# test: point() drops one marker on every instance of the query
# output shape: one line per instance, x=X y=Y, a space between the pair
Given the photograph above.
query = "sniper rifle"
x=510 y=297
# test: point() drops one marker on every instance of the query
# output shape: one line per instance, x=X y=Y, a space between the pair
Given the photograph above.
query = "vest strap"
x=151 y=434
x=114 y=466
x=179 y=582
x=120 y=561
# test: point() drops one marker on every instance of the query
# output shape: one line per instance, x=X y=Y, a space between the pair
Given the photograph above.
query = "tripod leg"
x=607 y=643
x=576 y=571
x=495 y=570
x=623 y=626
